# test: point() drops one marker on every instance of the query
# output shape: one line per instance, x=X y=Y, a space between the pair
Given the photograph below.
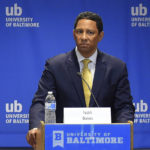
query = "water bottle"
x=50 y=108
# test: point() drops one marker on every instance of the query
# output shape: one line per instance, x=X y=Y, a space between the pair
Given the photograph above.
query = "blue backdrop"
x=33 y=30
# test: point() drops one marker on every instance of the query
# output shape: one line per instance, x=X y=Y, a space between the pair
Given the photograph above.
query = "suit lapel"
x=73 y=68
x=98 y=79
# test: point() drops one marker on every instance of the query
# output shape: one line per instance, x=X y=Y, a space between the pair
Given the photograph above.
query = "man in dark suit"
x=108 y=78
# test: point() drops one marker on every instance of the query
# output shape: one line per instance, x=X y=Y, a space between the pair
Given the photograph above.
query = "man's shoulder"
x=113 y=64
x=112 y=60
x=61 y=58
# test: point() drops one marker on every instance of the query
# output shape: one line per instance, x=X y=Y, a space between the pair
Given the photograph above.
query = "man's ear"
x=74 y=34
x=101 y=35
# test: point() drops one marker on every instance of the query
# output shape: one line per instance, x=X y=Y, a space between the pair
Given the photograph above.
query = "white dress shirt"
x=91 y=65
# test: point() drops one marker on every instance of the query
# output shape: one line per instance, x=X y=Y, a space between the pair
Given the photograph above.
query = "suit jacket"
x=110 y=87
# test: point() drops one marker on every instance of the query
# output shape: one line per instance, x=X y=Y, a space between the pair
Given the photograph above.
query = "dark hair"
x=91 y=16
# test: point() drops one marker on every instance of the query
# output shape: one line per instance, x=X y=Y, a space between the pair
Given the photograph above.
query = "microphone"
x=79 y=74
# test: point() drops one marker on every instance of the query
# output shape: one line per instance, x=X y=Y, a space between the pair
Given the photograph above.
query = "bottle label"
x=51 y=106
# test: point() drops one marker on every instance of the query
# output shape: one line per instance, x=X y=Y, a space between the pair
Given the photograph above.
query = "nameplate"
x=87 y=115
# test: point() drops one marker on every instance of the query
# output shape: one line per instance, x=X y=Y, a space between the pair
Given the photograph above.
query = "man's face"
x=87 y=37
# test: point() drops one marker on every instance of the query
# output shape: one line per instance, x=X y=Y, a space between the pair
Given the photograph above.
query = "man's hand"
x=31 y=137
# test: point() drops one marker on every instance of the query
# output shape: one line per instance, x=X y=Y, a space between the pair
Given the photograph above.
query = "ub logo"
x=139 y=10
x=58 y=138
x=14 y=10
x=141 y=106
x=14 y=107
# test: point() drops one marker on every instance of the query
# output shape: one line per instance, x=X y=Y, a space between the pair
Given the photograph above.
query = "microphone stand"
x=79 y=74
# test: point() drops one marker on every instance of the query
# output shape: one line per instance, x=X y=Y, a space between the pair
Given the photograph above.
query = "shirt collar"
x=80 y=57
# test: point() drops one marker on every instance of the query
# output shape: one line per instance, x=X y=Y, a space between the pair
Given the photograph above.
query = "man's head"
x=88 y=31
x=90 y=16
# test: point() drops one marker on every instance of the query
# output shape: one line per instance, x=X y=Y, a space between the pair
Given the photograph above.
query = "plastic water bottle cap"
x=50 y=92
